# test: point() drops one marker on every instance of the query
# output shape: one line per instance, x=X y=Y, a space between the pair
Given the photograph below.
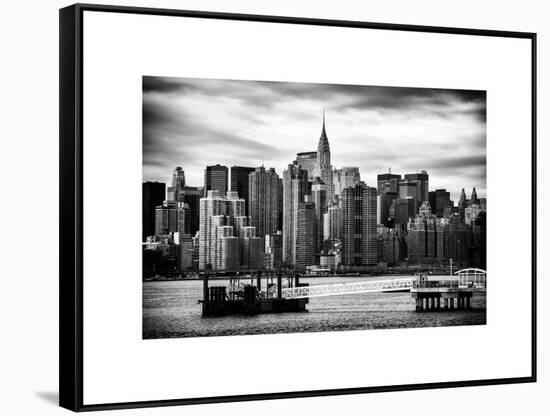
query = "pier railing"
x=388 y=285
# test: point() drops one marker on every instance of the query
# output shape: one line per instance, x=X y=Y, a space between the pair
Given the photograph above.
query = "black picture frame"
x=71 y=206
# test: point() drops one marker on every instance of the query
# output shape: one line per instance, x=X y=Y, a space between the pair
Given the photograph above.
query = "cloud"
x=197 y=122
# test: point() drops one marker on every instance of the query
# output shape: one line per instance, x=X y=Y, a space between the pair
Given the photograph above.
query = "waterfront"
x=170 y=310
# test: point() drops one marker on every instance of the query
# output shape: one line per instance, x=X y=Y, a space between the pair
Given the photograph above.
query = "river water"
x=170 y=310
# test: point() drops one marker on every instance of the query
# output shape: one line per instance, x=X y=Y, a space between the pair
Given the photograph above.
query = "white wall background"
x=28 y=206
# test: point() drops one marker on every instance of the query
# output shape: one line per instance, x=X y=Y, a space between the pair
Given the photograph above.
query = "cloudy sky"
x=193 y=123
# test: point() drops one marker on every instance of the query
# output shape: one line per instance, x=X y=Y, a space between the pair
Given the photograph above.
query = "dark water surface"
x=170 y=310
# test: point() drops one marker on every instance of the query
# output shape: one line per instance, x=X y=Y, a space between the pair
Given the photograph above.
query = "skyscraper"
x=408 y=189
x=457 y=239
x=345 y=177
x=306 y=235
x=385 y=201
x=388 y=182
x=462 y=204
x=263 y=200
x=440 y=202
x=178 y=179
x=308 y=162
x=235 y=206
x=251 y=249
x=295 y=186
x=332 y=223
x=474 y=199
x=170 y=218
x=153 y=194
x=239 y=182
x=215 y=178
x=274 y=249
x=227 y=249
x=191 y=195
x=403 y=209
x=422 y=181
x=359 y=247
x=323 y=160
x=319 y=198
x=425 y=240
x=217 y=211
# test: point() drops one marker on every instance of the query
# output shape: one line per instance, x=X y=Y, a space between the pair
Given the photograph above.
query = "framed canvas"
x=261 y=207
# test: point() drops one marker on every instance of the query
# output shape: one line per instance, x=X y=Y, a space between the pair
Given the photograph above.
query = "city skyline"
x=195 y=123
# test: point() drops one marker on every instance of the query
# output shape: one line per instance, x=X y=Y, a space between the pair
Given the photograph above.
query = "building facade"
x=215 y=178
x=274 y=250
x=359 y=247
x=345 y=177
x=319 y=198
x=422 y=181
x=440 y=202
x=295 y=188
x=306 y=235
x=153 y=195
x=239 y=182
x=388 y=182
x=263 y=200
x=217 y=221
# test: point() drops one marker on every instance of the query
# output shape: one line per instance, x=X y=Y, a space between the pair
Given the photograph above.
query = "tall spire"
x=474 y=196
x=323 y=148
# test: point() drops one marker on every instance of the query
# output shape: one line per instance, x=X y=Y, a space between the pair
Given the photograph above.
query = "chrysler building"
x=323 y=162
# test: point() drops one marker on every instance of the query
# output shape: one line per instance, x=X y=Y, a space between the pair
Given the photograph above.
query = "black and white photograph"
x=258 y=206
x=288 y=207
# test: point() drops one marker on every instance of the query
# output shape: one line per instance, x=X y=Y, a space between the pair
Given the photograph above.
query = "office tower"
x=170 y=218
x=332 y=223
x=280 y=206
x=440 y=202
x=215 y=178
x=274 y=250
x=227 y=249
x=345 y=177
x=218 y=212
x=308 y=162
x=239 y=223
x=391 y=246
x=319 y=198
x=196 y=249
x=384 y=203
x=186 y=252
x=408 y=189
x=388 y=182
x=425 y=238
x=153 y=194
x=295 y=187
x=263 y=200
x=191 y=195
x=239 y=182
x=251 y=249
x=178 y=179
x=306 y=235
x=235 y=206
x=457 y=239
x=422 y=180
x=323 y=160
x=403 y=209
x=359 y=246
x=462 y=204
